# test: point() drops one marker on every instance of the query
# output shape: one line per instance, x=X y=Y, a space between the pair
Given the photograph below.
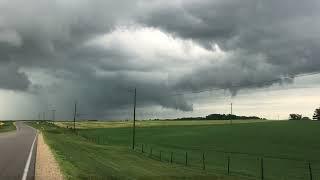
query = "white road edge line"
x=26 y=168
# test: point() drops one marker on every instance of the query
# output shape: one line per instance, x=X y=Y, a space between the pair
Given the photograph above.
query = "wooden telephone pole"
x=231 y=114
x=134 y=118
x=74 y=116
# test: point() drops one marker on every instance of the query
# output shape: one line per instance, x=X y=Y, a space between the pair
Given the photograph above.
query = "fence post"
x=228 y=164
x=186 y=158
x=171 y=157
x=262 y=170
x=160 y=155
x=203 y=162
x=142 y=148
x=310 y=171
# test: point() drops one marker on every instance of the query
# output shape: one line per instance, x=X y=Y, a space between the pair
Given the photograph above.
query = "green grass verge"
x=82 y=159
x=286 y=147
x=7 y=126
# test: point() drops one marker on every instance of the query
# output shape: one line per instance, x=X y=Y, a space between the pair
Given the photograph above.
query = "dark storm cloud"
x=201 y=20
x=74 y=49
x=43 y=33
x=11 y=78
x=284 y=32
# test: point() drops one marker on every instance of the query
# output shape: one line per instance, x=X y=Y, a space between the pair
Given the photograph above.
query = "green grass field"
x=6 y=126
x=82 y=159
x=286 y=149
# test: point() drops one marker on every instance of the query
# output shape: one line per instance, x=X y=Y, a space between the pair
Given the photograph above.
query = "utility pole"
x=74 y=116
x=53 y=114
x=134 y=118
x=231 y=108
x=231 y=115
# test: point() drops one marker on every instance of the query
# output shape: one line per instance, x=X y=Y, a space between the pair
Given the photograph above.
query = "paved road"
x=14 y=152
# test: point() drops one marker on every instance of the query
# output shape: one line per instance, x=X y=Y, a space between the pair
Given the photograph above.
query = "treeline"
x=229 y=116
x=221 y=117
x=316 y=116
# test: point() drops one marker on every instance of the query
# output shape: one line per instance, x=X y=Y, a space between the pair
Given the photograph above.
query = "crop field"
x=146 y=123
x=272 y=150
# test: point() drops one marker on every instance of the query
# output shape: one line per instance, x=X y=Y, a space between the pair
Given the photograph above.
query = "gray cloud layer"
x=96 y=50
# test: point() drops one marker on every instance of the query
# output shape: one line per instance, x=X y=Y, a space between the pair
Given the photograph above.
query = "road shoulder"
x=47 y=168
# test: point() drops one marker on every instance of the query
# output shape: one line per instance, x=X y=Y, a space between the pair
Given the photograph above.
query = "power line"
x=53 y=114
x=289 y=77
x=247 y=85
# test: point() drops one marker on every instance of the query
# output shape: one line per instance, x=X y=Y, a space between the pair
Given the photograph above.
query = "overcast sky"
x=53 y=52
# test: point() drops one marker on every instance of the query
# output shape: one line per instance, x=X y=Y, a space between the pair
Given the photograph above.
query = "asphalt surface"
x=15 y=147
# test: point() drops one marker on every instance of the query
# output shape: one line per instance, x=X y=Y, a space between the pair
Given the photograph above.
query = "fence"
x=248 y=165
x=236 y=164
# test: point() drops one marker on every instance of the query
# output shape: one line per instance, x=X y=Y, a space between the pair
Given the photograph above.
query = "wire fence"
x=236 y=164
x=248 y=165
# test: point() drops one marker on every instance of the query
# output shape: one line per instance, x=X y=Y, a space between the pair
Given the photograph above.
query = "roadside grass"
x=82 y=159
x=286 y=147
x=6 y=126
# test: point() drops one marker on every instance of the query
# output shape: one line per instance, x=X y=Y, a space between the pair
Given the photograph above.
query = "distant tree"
x=229 y=116
x=306 y=119
x=219 y=117
x=295 y=117
x=316 y=115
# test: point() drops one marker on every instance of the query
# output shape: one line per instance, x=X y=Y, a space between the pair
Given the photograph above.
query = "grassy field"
x=285 y=147
x=123 y=124
x=82 y=159
x=6 y=126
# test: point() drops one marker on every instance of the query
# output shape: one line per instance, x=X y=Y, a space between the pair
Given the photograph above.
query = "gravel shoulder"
x=47 y=167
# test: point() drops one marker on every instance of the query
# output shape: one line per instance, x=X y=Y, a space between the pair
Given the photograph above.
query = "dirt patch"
x=47 y=167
